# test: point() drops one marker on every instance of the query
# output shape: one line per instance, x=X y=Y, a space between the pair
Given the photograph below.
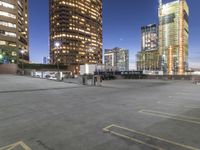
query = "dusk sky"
x=122 y=20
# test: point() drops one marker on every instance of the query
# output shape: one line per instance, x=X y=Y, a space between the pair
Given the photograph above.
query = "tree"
x=8 y=54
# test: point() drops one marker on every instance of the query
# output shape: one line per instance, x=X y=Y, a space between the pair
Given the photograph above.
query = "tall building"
x=148 y=60
x=148 y=57
x=173 y=36
x=117 y=58
x=14 y=39
x=149 y=35
x=75 y=32
x=46 y=60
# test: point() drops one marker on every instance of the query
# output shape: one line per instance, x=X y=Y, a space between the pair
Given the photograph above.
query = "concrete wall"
x=163 y=77
x=8 y=68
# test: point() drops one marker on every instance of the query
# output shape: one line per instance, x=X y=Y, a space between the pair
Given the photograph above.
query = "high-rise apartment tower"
x=14 y=39
x=75 y=32
x=117 y=58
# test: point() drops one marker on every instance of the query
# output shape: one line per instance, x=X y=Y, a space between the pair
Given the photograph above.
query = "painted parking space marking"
x=19 y=144
x=109 y=129
x=193 y=120
x=179 y=105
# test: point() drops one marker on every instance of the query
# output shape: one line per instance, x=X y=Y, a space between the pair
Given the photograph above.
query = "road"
x=37 y=114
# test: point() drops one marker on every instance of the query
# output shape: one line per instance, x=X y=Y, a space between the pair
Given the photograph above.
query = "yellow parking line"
x=146 y=135
x=171 y=116
x=24 y=146
x=12 y=146
x=136 y=140
x=6 y=147
x=106 y=129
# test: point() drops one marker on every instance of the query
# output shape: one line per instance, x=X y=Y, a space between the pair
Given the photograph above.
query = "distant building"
x=46 y=60
x=149 y=37
x=148 y=60
x=171 y=54
x=14 y=39
x=148 y=57
x=117 y=57
x=173 y=36
x=92 y=68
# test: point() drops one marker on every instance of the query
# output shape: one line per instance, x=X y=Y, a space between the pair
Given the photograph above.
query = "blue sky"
x=122 y=21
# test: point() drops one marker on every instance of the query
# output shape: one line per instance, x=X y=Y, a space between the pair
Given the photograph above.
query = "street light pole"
x=1 y=58
x=57 y=45
x=22 y=52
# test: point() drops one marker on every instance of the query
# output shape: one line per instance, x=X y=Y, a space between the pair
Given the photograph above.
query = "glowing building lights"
x=170 y=61
x=14 y=33
x=78 y=26
x=173 y=36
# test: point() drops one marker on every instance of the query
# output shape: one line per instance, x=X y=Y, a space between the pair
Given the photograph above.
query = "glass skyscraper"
x=118 y=58
x=148 y=57
x=149 y=37
x=173 y=36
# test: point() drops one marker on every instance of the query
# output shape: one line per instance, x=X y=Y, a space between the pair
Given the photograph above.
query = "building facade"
x=14 y=34
x=148 y=57
x=46 y=60
x=148 y=60
x=149 y=35
x=117 y=58
x=75 y=32
x=173 y=36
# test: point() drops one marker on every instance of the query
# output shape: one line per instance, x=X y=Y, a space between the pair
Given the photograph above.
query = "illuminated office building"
x=173 y=36
x=148 y=57
x=75 y=32
x=117 y=58
x=14 y=40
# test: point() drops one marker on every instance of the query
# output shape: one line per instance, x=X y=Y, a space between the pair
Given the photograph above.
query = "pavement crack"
x=44 y=145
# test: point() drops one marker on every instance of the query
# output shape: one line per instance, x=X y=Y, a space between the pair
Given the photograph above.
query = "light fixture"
x=22 y=51
x=1 y=56
x=57 y=44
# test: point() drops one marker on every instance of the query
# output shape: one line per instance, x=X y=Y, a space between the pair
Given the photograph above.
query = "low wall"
x=163 y=77
x=73 y=80
x=170 y=77
x=8 y=68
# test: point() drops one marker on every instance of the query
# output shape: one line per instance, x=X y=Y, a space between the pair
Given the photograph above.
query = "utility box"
x=97 y=80
x=87 y=69
x=59 y=76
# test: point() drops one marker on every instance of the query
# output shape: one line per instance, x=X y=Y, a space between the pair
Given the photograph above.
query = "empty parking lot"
x=38 y=114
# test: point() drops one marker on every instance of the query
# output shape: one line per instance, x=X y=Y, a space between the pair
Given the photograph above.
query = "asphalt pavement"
x=38 y=114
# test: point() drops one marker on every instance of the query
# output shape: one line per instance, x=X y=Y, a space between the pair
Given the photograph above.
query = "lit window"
x=7 y=5
x=6 y=14
x=7 y=24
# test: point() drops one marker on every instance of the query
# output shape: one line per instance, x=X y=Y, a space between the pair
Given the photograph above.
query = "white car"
x=52 y=78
